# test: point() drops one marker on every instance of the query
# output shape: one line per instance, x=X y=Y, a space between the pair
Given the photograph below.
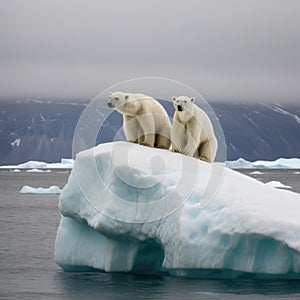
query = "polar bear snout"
x=110 y=104
x=179 y=108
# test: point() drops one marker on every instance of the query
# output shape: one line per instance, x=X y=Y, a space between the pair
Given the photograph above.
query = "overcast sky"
x=226 y=50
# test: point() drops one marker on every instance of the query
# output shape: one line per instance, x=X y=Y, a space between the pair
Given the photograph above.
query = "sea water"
x=28 y=225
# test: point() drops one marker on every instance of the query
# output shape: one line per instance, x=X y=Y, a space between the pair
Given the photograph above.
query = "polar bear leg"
x=191 y=147
x=148 y=140
x=146 y=122
x=207 y=150
x=162 y=142
x=140 y=139
x=178 y=136
x=132 y=129
x=163 y=137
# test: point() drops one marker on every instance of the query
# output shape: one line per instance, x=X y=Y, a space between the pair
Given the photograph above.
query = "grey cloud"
x=231 y=49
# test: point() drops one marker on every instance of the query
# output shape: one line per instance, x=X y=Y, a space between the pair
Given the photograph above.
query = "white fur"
x=192 y=132
x=145 y=121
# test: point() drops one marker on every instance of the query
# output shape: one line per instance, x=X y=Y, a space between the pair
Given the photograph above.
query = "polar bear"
x=192 y=132
x=145 y=121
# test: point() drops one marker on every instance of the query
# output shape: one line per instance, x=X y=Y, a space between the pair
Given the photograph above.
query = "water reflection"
x=95 y=285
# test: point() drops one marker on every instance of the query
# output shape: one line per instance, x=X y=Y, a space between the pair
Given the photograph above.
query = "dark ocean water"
x=28 y=225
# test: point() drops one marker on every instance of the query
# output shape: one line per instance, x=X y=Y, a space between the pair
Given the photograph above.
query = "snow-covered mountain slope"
x=43 y=130
x=260 y=131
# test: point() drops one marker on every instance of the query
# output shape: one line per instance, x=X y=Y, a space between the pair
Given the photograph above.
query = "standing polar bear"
x=192 y=132
x=145 y=121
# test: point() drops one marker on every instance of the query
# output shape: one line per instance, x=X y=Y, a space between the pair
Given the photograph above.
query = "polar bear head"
x=117 y=99
x=183 y=104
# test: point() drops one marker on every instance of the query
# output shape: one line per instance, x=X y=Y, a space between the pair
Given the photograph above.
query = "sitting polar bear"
x=192 y=132
x=145 y=121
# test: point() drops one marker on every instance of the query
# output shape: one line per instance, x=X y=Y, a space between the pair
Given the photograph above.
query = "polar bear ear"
x=192 y=99
x=109 y=94
x=126 y=97
x=174 y=98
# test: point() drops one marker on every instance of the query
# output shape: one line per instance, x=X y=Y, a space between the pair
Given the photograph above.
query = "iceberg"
x=240 y=163
x=53 y=189
x=280 y=163
x=32 y=165
x=130 y=208
x=65 y=163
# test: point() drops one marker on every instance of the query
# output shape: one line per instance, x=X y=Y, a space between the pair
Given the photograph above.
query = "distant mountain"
x=260 y=131
x=43 y=129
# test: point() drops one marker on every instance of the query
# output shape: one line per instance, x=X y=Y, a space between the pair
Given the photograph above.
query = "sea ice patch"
x=38 y=171
x=40 y=190
x=278 y=184
x=281 y=163
x=65 y=163
x=256 y=173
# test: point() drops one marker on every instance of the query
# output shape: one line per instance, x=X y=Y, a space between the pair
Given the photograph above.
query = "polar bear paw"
x=147 y=144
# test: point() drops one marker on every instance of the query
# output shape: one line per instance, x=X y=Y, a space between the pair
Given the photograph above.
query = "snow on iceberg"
x=130 y=208
x=53 y=189
x=280 y=163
